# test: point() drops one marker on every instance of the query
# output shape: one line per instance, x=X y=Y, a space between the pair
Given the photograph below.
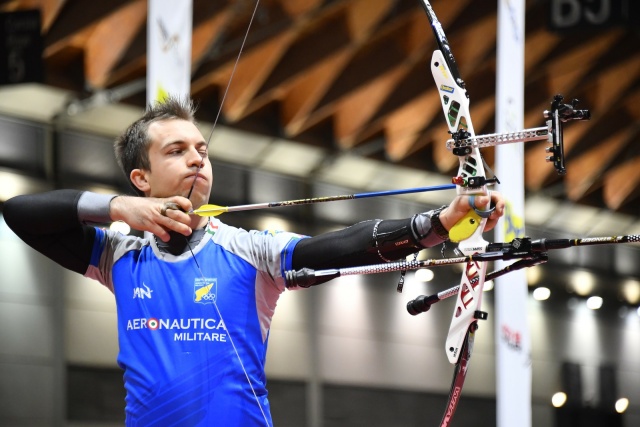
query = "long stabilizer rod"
x=519 y=248
x=307 y=277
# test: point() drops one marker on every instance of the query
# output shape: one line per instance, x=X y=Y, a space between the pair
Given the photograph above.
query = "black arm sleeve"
x=49 y=223
x=356 y=245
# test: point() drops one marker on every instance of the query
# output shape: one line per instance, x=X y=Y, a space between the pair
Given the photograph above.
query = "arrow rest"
x=462 y=148
x=475 y=181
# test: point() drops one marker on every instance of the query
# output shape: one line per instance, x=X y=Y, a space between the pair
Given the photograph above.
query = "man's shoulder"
x=120 y=243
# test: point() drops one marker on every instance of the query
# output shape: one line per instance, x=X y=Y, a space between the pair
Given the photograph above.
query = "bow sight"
x=461 y=142
x=561 y=113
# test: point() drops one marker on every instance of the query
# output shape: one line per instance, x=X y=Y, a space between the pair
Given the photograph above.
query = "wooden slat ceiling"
x=354 y=75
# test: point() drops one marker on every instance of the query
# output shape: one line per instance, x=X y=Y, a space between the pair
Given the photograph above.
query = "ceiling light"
x=582 y=282
x=541 y=293
x=534 y=274
x=539 y=210
x=101 y=189
x=631 y=291
x=594 y=303
x=273 y=223
x=424 y=275
x=14 y=184
x=621 y=405
x=120 y=226
x=559 y=399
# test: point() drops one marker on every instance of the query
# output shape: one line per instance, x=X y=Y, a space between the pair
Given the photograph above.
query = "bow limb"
x=471 y=180
x=459 y=376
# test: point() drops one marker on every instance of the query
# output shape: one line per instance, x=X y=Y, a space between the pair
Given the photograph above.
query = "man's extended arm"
x=50 y=223
x=368 y=242
x=57 y=223
x=377 y=241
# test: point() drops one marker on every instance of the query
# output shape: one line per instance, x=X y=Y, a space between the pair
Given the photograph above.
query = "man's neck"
x=198 y=222
x=179 y=244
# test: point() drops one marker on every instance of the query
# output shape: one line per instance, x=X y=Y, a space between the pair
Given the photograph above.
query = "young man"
x=195 y=297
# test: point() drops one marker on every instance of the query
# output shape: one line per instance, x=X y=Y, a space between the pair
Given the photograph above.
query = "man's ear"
x=138 y=178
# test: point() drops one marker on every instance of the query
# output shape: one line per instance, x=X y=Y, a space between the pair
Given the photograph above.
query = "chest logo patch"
x=205 y=290
x=142 y=292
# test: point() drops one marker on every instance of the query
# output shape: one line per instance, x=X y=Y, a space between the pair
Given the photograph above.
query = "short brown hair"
x=132 y=147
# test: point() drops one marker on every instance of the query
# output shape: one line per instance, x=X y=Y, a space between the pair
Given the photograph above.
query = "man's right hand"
x=150 y=214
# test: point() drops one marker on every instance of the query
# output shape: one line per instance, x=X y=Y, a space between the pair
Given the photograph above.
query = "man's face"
x=176 y=150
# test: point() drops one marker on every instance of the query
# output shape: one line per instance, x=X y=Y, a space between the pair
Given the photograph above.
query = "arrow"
x=215 y=210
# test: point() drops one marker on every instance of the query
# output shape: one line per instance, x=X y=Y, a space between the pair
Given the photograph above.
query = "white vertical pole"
x=513 y=348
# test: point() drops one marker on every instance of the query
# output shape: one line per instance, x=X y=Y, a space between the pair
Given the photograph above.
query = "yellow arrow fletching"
x=211 y=210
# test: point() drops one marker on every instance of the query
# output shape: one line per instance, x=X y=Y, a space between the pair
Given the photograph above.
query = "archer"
x=202 y=277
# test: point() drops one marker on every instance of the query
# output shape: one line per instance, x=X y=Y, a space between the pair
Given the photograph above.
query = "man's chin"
x=197 y=200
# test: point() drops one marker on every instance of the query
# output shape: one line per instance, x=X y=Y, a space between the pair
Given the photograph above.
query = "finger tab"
x=170 y=205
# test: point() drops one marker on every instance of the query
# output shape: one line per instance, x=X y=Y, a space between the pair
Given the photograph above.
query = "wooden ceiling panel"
x=76 y=17
x=587 y=169
x=622 y=185
x=404 y=127
x=109 y=39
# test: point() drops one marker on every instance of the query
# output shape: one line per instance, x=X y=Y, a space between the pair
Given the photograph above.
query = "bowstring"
x=224 y=97
x=235 y=349
x=204 y=154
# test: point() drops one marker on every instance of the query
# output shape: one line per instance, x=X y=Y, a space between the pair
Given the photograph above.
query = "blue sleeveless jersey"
x=179 y=321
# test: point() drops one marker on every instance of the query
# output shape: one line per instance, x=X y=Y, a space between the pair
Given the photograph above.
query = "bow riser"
x=455 y=105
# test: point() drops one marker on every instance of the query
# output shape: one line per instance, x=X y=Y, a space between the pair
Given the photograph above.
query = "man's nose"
x=196 y=158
